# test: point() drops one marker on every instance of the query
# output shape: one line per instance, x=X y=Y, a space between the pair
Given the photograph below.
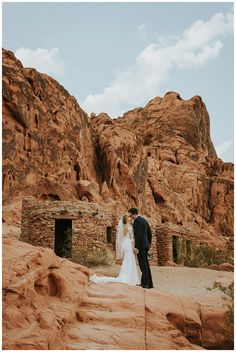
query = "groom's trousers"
x=146 y=279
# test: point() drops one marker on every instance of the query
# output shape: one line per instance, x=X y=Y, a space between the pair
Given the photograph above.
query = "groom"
x=143 y=239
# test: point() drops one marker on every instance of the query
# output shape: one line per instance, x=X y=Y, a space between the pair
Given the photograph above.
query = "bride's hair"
x=125 y=219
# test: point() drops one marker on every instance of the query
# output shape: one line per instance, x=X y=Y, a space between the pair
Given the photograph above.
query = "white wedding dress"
x=129 y=270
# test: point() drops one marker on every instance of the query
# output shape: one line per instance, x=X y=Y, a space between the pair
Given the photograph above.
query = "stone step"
x=100 y=333
x=116 y=318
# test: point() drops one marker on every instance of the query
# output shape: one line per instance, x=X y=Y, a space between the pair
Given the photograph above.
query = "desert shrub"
x=229 y=296
x=111 y=270
x=228 y=291
x=94 y=257
x=203 y=256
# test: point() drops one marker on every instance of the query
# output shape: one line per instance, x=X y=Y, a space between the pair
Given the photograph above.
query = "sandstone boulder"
x=48 y=303
x=221 y=267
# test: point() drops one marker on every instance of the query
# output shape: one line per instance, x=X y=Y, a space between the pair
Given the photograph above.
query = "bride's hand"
x=136 y=250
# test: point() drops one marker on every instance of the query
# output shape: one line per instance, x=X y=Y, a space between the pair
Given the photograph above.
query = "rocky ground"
x=49 y=304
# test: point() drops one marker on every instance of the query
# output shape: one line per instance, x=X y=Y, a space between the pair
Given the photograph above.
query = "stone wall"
x=164 y=238
x=177 y=244
x=89 y=222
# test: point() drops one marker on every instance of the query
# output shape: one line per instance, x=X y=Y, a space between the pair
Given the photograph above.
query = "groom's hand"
x=136 y=250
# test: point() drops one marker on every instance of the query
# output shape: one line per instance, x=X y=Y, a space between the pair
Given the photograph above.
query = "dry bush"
x=94 y=257
x=229 y=297
x=112 y=270
x=204 y=256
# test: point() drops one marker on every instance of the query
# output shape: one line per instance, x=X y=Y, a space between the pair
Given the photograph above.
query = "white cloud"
x=44 y=60
x=142 y=30
x=222 y=148
x=141 y=81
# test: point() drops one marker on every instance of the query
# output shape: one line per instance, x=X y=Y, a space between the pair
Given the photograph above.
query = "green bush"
x=203 y=256
x=229 y=292
x=94 y=257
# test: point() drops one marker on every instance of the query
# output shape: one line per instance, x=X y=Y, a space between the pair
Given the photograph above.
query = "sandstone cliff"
x=47 y=143
x=159 y=158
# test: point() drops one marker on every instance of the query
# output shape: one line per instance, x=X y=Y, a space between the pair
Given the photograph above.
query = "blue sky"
x=116 y=56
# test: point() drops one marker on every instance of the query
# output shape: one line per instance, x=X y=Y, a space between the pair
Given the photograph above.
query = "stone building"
x=72 y=227
x=176 y=244
x=173 y=241
x=67 y=226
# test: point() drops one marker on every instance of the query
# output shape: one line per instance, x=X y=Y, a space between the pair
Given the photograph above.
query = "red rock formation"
x=159 y=158
x=49 y=304
x=47 y=144
x=221 y=267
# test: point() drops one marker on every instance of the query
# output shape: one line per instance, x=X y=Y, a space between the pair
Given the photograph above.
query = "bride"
x=124 y=249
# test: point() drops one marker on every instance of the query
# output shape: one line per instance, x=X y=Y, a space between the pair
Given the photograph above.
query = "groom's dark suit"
x=143 y=239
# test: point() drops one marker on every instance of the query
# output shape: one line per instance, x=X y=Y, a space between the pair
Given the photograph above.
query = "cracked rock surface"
x=48 y=303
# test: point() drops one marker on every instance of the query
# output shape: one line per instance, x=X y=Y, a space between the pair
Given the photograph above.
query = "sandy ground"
x=183 y=281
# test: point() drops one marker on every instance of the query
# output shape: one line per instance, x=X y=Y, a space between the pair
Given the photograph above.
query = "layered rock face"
x=48 y=303
x=47 y=144
x=159 y=158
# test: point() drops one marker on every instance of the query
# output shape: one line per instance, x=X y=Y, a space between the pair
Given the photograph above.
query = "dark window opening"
x=175 y=249
x=149 y=154
x=109 y=234
x=63 y=238
x=188 y=248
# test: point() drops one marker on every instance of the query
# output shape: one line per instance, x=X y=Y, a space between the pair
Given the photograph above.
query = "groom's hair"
x=133 y=211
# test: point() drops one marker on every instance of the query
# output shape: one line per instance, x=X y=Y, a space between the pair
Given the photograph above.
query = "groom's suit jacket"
x=142 y=233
